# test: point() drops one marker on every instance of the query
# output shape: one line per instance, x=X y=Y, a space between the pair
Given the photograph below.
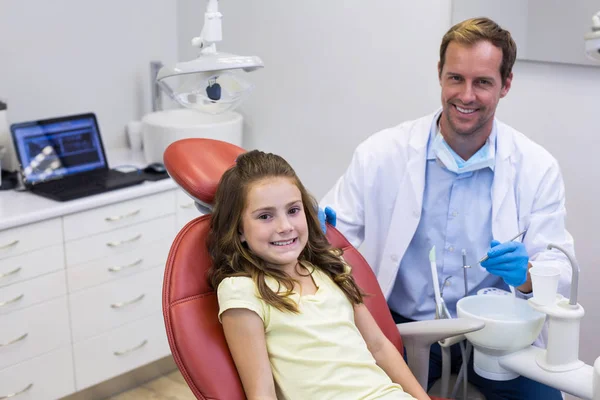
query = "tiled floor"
x=167 y=387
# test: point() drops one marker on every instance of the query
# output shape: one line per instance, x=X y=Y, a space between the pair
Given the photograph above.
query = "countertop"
x=22 y=207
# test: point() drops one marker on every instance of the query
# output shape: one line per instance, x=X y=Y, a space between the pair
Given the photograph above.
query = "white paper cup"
x=545 y=284
x=134 y=135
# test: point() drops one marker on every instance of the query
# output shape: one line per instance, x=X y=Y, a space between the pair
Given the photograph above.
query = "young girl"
x=293 y=316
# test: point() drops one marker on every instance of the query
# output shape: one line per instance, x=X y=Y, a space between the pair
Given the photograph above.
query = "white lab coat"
x=378 y=200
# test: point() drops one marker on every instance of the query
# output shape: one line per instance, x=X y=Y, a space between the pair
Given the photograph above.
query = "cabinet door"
x=48 y=377
x=19 y=240
x=31 y=292
x=186 y=209
x=105 y=307
x=121 y=350
x=118 y=241
x=30 y=265
x=119 y=266
x=118 y=215
x=31 y=332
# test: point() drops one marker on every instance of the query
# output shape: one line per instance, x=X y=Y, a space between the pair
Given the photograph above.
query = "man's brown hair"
x=474 y=30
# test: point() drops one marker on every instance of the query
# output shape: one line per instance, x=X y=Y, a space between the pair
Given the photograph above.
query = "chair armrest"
x=419 y=336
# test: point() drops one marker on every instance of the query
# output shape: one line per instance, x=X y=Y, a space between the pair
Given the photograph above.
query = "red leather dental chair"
x=189 y=304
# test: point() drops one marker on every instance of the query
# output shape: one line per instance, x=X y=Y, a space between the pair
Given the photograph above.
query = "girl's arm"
x=245 y=335
x=385 y=353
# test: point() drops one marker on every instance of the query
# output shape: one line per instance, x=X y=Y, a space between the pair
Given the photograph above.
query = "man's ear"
x=506 y=86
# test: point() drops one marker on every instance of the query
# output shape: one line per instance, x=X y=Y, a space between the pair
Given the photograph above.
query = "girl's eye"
x=294 y=210
x=264 y=216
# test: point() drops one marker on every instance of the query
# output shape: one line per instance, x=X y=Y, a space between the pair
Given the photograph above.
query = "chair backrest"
x=189 y=304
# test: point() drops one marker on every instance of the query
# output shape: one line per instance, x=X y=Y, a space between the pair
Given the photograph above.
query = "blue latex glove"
x=328 y=216
x=508 y=260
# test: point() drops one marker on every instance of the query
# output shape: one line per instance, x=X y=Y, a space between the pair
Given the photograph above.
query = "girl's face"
x=274 y=223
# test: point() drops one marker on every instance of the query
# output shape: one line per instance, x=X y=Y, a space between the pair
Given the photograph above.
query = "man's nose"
x=467 y=94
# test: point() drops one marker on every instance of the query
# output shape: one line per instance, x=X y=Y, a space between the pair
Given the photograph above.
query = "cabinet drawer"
x=186 y=209
x=118 y=215
x=48 y=377
x=34 y=331
x=104 y=307
x=25 y=238
x=29 y=265
x=35 y=291
x=120 y=351
x=119 y=241
x=119 y=266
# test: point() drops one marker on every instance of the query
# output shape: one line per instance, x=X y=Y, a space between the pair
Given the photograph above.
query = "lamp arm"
x=212 y=30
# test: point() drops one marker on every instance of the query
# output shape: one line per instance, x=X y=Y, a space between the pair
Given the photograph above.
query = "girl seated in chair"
x=293 y=316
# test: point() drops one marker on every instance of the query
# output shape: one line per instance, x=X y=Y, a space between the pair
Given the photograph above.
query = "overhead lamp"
x=214 y=82
x=592 y=39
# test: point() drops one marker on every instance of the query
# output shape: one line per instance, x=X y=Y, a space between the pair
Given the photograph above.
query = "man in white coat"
x=457 y=179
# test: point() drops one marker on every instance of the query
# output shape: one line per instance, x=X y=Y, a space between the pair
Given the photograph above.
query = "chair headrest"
x=197 y=165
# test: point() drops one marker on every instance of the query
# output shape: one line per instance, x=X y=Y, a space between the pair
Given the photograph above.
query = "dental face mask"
x=453 y=162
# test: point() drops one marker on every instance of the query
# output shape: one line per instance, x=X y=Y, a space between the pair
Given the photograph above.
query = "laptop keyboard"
x=85 y=185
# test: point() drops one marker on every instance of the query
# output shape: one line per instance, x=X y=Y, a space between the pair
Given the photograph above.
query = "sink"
x=511 y=324
x=161 y=128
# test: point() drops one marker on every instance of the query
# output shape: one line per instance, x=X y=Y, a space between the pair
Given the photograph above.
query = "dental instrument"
x=510 y=240
x=436 y=284
x=503 y=349
x=465 y=267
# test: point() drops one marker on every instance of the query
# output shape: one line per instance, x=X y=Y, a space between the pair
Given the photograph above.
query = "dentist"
x=457 y=179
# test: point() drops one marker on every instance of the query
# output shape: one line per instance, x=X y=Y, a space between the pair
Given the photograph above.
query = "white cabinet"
x=110 y=305
x=120 y=350
x=47 y=377
x=26 y=238
x=29 y=265
x=81 y=293
x=35 y=330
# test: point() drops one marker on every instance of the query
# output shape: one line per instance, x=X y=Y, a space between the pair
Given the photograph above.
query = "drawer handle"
x=7 y=302
x=7 y=246
x=188 y=205
x=9 y=273
x=126 y=303
x=122 y=242
x=139 y=346
x=22 y=337
x=8 y=396
x=120 y=217
x=117 y=269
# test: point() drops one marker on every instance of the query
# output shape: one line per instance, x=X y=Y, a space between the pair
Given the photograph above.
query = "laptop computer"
x=64 y=159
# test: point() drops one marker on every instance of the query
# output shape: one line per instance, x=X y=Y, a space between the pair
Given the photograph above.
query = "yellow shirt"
x=319 y=353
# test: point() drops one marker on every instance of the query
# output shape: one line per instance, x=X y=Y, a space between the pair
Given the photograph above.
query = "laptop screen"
x=59 y=147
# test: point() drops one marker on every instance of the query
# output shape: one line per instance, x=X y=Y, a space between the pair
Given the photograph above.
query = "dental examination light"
x=212 y=83
x=592 y=39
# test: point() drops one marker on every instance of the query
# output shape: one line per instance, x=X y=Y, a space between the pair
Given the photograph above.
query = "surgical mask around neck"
x=453 y=162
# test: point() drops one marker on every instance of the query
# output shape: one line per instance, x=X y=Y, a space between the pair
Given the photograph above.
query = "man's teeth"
x=284 y=243
x=465 y=110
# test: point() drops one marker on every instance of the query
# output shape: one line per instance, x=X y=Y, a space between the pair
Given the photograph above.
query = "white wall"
x=338 y=70
x=63 y=57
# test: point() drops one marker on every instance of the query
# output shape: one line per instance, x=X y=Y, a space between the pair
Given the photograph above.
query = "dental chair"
x=190 y=306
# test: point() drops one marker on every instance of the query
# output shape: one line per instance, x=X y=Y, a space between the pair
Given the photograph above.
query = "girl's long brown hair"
x=231 y=257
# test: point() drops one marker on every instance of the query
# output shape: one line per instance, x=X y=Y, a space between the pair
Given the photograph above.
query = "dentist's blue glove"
x=508 y=260
x=329 y=216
